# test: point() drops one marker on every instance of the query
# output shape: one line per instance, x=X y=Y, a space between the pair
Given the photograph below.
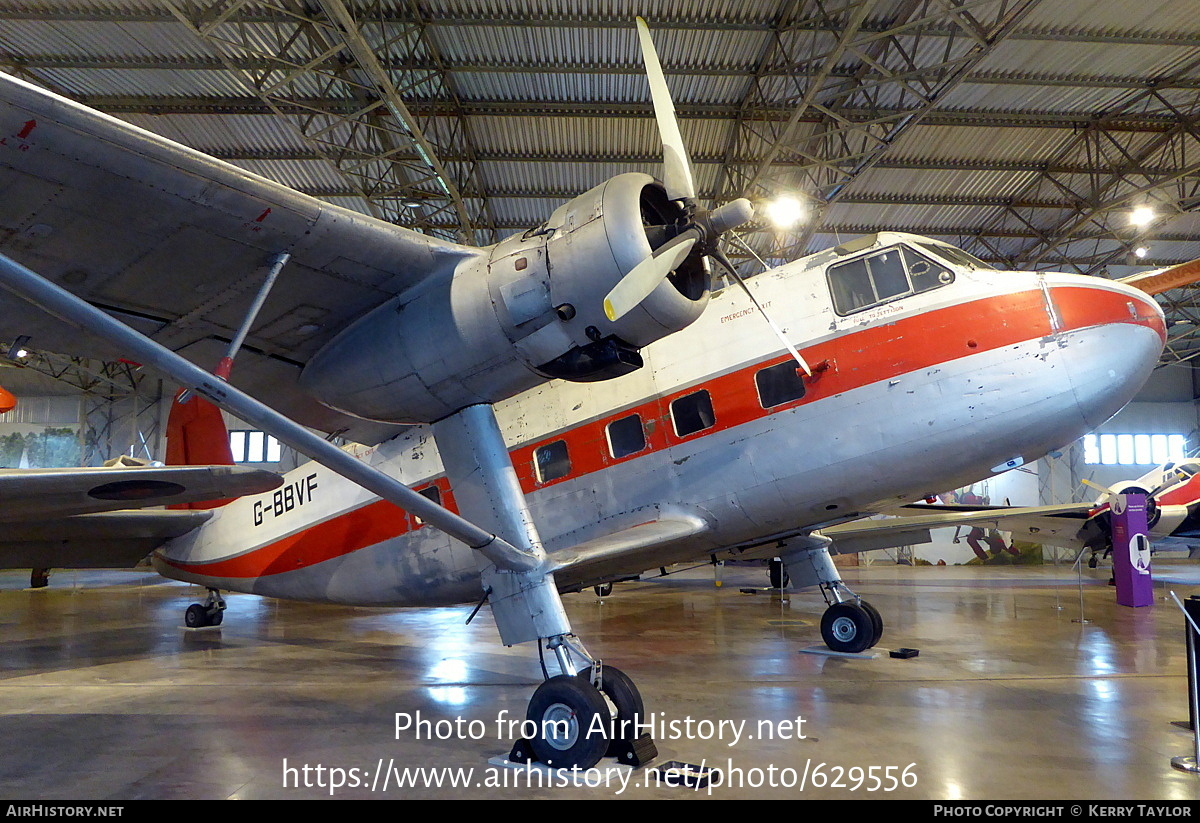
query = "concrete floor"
x=104 y=695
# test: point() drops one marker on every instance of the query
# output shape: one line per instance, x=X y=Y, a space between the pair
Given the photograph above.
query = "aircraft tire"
x=876 y=621
x=215 y=618
x=196 y=616
x=603 y=589
x=847 y=627
x=618 y=688
x=564 y=710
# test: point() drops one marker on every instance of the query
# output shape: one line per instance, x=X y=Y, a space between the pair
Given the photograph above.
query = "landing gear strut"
x=209 y=613
x=576 y=717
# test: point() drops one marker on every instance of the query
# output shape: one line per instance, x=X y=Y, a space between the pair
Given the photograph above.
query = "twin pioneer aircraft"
x=568 y=407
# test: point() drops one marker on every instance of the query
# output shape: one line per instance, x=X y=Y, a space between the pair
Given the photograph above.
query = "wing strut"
x=37 y=290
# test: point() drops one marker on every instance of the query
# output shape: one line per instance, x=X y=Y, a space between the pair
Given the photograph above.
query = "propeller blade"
x=644 y=278
x=677 y=168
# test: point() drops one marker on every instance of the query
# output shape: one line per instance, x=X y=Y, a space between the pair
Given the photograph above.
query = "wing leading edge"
x=172 y=241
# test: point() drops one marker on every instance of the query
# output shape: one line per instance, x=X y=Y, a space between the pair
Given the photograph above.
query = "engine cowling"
x=528 y=311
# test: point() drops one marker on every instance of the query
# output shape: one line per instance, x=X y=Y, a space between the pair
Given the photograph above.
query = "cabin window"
x=884 y=276
x=692 y=413
x=552 y=461
x=779 y=384
x=626 y=436
x=431 y=492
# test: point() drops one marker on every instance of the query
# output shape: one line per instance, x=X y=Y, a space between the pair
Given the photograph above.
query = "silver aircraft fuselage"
x=912 y=396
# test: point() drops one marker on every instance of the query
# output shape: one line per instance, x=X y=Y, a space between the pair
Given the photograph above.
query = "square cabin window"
x=779 y=384
x=551 y=461
x=626 y=436
x=692 y=413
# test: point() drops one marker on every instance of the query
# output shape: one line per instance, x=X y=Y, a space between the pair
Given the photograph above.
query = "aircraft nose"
x=1112 y=337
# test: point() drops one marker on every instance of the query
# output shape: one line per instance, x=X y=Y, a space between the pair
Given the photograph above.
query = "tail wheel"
x=196 y=616
x=847 y=627
x=571 y=723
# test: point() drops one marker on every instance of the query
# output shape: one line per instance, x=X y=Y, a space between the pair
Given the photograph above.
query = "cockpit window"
x=886 y=275
x=956 y=255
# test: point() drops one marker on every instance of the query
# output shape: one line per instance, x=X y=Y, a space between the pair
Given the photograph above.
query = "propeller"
x=704 y=229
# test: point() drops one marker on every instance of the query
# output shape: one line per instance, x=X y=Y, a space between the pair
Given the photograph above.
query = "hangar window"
x=779 y=384
x=552 y=461
x=692 y=413
x=884 y=276
x=1133 y=449
x=254 y=447
x=626 y=436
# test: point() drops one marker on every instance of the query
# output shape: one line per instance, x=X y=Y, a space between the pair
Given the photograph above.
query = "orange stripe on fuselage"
x=858 y=358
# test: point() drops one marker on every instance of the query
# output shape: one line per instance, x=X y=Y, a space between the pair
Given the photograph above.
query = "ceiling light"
x=17 y=350
x=1141 y=216
x=1141 y=251
x=785 y=212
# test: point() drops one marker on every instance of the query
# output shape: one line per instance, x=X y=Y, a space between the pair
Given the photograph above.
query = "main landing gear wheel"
x=876 y=619
x=848 y=627
x=627 y=709
x=570 y=716
x=211 y=613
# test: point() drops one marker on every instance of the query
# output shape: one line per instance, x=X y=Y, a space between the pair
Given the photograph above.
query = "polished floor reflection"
x=104 y=695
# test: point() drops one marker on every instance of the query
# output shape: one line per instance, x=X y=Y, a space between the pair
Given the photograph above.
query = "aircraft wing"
x=32 y=495
x=1053 y=525
x=176 y=243
x=111 y=540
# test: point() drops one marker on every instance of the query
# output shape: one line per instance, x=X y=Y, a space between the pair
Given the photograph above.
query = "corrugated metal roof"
x=547 y=97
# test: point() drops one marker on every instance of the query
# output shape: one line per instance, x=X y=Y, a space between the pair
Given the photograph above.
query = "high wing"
x=1052 y=525
x=175 y=243
x=36 y=494
x=665 y=539
x=87 y=518
x=110 y=540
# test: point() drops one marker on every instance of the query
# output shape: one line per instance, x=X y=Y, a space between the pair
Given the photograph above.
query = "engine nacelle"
x=529 y=311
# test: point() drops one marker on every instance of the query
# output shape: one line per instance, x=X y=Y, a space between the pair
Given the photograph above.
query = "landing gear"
x=777 y=572
x=39 y=578
x=571 y=719
x=209 y=613
x=848 y=627
x=850 y=624
x=624 y=702
x=603 y=589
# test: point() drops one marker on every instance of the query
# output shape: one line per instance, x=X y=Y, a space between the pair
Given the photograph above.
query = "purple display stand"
x=1131 y=551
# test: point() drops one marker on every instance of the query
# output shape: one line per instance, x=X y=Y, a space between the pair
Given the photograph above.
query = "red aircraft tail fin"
x=7 y=401
x=196 y=436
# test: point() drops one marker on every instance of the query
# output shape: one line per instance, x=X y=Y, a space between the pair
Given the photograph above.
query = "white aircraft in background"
x=1172 y=493
x=580 y=406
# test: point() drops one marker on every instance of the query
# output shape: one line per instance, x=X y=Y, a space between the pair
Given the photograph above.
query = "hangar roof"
x=1024 y=131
